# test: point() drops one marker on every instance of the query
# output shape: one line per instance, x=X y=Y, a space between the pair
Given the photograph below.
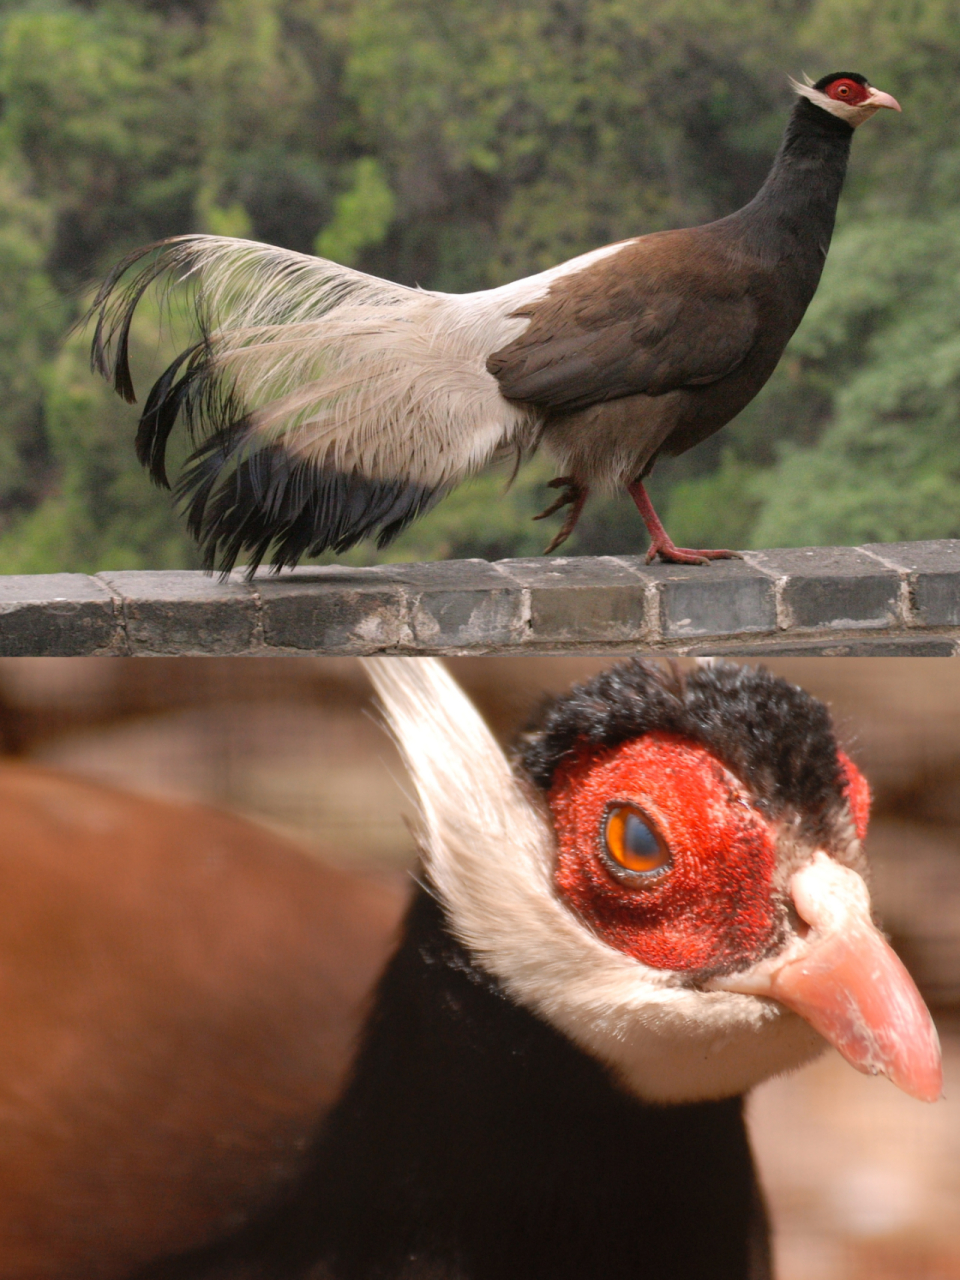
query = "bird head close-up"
x=846 y=95
x=671 y=874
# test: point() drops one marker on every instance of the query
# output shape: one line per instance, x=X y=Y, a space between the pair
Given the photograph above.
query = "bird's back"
x=179 y=994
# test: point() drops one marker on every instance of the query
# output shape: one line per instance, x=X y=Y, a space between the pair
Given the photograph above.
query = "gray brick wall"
x=890 y=599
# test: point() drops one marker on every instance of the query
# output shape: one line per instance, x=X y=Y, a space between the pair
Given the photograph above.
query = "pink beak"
x=847 y=982
x=878 y=98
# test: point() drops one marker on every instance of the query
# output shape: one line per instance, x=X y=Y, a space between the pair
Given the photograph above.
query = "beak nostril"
x=841 y=976
x=796 y=922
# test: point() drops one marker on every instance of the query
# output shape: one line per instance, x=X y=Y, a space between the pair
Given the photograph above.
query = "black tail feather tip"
x=269 y=503
x=116 y=302
x=241 y=501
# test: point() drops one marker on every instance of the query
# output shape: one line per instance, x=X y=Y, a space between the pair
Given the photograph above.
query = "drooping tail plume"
x=324 y=405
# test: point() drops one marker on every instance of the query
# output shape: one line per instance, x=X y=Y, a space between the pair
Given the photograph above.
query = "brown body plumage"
x=179 y=996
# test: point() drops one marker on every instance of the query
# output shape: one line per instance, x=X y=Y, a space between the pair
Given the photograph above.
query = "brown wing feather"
x=667 y=311
x=179 y=995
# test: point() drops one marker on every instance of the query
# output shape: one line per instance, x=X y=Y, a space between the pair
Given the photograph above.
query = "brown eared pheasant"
x=327 y=406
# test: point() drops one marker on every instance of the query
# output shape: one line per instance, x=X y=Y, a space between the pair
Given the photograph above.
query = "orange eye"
x=633 y=844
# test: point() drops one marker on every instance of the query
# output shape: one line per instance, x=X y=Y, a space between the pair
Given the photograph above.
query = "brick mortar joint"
x=784 y=621
x=651 y=613
x=119 y=604
x=526 y=611
x=906 y=579
x=257 y=637
x=651 y=629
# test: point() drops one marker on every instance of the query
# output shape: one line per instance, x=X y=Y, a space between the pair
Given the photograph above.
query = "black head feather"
x=825 y=81
x=773 y=735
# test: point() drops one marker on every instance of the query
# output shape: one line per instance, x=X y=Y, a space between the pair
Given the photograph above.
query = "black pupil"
x=638 y=839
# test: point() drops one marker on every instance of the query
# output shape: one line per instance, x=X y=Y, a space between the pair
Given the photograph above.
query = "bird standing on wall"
x=329 y=406
x=661 y=906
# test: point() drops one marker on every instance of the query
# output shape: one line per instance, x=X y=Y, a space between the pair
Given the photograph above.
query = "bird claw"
x=571 y=490
x=554 y=506
x=574 y=495
x=671 y=554
x=560 y=536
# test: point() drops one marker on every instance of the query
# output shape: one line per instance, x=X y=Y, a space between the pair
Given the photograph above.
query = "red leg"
x=574 y=496
x=661 y=544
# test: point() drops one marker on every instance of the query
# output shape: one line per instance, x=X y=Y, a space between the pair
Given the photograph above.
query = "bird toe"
x=687 y=555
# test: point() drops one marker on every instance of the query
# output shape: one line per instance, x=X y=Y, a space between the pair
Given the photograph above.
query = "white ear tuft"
x=806 y=89
x=487 y=849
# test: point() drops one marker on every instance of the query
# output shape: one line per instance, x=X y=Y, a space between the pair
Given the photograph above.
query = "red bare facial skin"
x=857 y=793
x=848 y=91
x=713 y=908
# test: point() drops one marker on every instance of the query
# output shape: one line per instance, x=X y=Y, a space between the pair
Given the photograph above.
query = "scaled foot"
x=661 y=544
x=671 y=554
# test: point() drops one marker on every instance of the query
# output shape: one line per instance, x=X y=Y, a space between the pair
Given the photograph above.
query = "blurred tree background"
x=457 y=144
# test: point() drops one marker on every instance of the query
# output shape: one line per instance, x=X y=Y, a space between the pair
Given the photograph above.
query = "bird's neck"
x=790 y=220
x=475 y=1142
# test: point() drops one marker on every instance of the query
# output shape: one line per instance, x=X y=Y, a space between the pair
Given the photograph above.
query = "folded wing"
x=649 y=320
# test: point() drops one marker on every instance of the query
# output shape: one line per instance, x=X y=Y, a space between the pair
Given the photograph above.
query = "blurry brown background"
x=863 y=1181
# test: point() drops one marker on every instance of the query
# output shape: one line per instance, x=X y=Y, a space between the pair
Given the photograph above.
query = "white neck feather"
x=490 y=855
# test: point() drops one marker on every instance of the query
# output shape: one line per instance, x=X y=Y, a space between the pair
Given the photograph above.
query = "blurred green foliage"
x=457 y=144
